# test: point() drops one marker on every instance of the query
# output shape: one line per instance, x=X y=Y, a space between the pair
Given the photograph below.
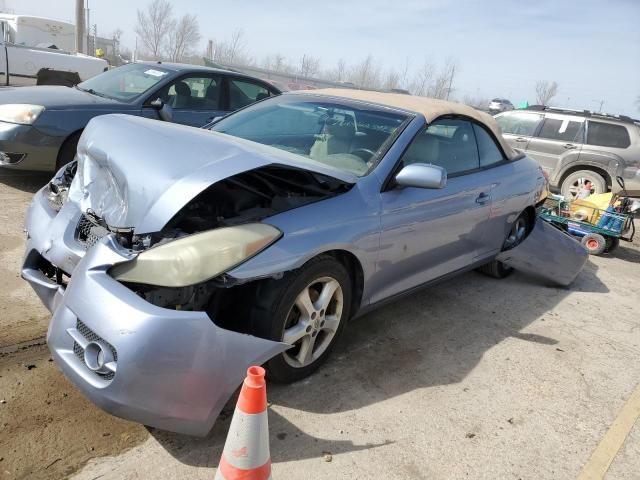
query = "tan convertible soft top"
x=431 y=108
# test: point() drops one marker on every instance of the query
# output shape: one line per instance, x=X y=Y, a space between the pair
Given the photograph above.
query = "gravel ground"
x=473 y=378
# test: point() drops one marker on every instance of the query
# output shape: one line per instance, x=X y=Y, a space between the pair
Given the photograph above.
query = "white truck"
x=36 y=51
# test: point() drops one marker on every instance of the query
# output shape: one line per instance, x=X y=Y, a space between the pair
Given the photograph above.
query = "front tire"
x=307 y=308
x=68 y=150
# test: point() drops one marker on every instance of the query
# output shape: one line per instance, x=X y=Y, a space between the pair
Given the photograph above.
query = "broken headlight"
x=57 y=190
x=198 y=257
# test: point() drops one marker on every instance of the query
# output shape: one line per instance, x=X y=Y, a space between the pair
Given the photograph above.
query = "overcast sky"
x=502 y=47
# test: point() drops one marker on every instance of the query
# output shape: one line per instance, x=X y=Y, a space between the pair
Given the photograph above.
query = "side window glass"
x=524 y=124
x=487 y=148
x=194 y=93
x=448 y=143
x=244 y=92
x=562 y=129
x=607 y=135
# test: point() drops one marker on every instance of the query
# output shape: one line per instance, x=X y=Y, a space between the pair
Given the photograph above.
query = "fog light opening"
x=96 y=356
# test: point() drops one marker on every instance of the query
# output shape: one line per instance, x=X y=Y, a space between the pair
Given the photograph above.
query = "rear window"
x=607 y=135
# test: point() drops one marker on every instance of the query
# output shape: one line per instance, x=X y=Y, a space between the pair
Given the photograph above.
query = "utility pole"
x=453 y=71
x=601 y=104
x=80 y=26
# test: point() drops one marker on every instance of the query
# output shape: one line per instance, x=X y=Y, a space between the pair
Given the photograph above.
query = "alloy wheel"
x=517 y=234
x=313 y=321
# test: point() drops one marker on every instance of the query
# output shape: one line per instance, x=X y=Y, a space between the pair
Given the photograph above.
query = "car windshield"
x=125 y=83
x=339 y=133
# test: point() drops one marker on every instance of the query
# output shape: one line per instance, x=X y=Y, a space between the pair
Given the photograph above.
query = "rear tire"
x=518 y=232
x=279 y=314
x=594 y=243
x=573 y=183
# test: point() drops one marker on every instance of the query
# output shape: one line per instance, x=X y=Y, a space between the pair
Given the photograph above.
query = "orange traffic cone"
x=246 y=450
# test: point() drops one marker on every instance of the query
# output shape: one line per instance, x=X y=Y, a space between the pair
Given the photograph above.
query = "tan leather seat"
x=336 y=138
x=424 y=149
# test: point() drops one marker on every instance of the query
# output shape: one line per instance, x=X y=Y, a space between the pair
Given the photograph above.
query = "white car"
x=498 y=105
x=25 y=60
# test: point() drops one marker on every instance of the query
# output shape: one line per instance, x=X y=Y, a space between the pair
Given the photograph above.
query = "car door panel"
x=428 y=233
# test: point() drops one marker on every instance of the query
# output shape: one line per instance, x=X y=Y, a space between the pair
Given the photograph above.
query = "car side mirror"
x=157 y=103
x=165 y=112
x=422 y=175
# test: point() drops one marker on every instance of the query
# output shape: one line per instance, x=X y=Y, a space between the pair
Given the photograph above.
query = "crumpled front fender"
x=548 y=253
x=173 y=369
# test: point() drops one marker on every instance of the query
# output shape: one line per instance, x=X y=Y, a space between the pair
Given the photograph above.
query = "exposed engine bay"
x=247 y=197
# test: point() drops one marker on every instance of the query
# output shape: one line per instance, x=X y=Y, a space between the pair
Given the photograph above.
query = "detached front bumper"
x=170 y=369
x=25 y=147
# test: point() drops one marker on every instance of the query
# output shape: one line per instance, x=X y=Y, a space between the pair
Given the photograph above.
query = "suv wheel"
x=572 y=185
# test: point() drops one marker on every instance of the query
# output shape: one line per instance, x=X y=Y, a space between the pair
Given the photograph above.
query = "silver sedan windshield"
x=347 y=135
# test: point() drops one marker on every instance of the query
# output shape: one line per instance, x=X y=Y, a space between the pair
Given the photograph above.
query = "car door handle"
x=569 y=146
x=483 y=198
x=521 y=140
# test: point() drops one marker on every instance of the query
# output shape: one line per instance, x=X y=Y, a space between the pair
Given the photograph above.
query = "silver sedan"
x=173 y=257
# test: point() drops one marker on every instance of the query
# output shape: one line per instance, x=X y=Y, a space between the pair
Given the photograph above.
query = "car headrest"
x=183 y=89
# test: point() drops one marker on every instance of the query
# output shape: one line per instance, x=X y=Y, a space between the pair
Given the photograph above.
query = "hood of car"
x=54 y=97
x=136 y=173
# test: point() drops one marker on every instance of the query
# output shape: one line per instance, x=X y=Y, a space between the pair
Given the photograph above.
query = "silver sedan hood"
x=138 y=173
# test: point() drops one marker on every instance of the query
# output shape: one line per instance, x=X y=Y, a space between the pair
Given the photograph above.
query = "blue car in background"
x=40 y=126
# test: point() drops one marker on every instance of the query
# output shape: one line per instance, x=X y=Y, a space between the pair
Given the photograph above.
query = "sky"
x=501 y=47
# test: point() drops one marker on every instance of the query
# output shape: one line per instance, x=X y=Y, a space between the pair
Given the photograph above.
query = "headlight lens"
x=198 y=257
x=21 y=113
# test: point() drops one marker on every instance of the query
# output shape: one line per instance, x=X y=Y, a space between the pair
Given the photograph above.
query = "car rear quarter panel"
x=588 y=158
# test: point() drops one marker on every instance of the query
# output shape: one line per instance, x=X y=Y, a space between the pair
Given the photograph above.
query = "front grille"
x=89 y=334
x=88 y=233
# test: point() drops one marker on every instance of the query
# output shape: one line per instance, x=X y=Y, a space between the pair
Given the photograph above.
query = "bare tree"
x=391 y=80
x=232 y=51
x=366 y=74
x=545 y=91
x=421 y=83
x=154 y=25
x=183 y=38
x=309 y=65
x=475 y=101
x=338 y=73
x=443 y=83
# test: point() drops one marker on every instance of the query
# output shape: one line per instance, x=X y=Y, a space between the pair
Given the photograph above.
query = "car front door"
x=519 y=127
x=558 y=136
x=428 y=233
x=195 y=99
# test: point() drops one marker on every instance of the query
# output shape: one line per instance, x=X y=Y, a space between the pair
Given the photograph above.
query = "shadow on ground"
x=627 y=254
x=438 y=335
x=26 y=181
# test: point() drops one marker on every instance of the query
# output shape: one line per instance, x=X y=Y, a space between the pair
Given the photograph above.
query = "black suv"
x=575 y=146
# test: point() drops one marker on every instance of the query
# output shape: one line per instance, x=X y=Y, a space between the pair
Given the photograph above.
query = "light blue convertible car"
x=173 y=257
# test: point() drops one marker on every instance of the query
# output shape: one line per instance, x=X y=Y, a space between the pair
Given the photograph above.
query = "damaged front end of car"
x=145 y=320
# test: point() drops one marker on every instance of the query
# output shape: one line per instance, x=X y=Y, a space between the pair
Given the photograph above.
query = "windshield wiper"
x=93 y=92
